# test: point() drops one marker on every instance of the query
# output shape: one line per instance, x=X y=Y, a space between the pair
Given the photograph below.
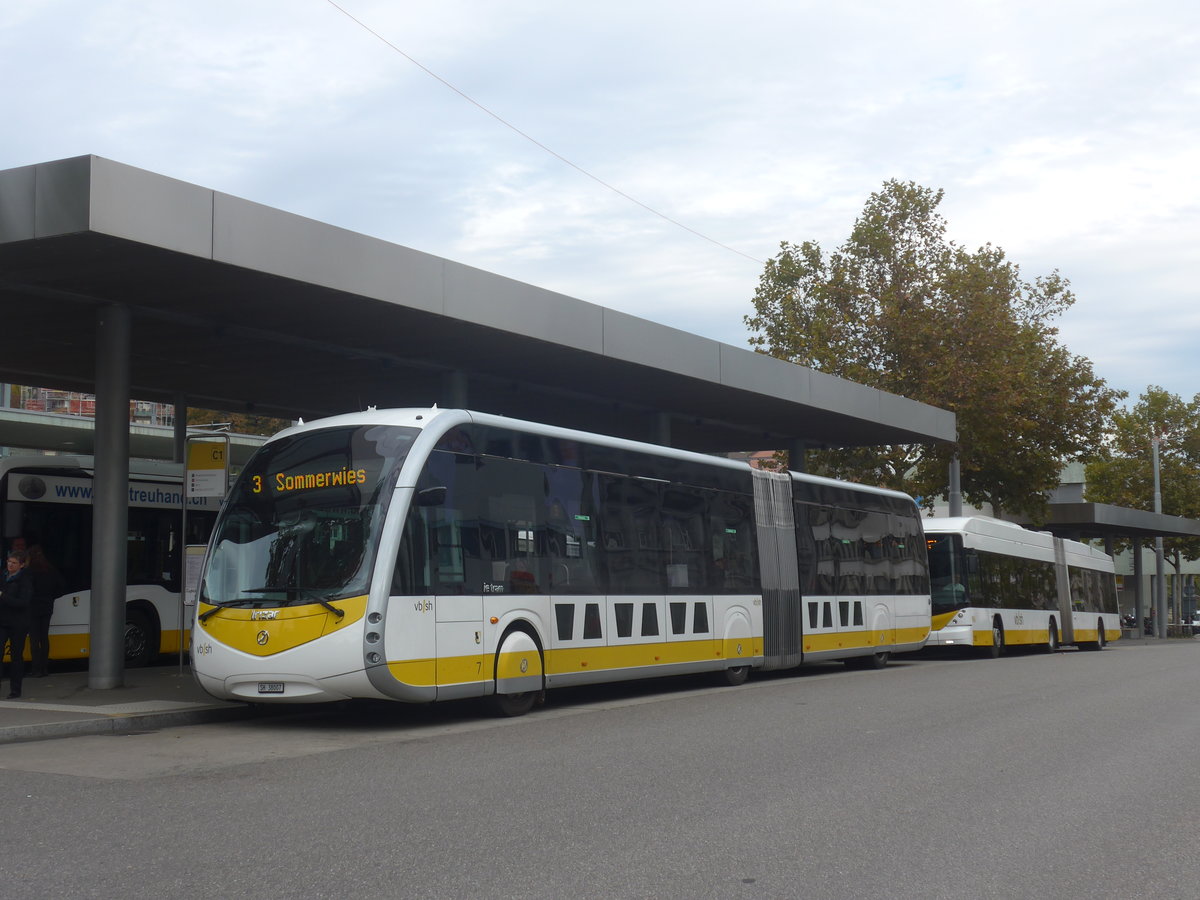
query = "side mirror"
x=434 y=496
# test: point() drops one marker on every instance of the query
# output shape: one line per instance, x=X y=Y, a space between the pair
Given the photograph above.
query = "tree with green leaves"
x=1125 y=475
x=239 y=423
x=902 y=308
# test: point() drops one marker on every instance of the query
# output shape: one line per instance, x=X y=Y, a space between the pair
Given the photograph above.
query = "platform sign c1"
x=207 y=467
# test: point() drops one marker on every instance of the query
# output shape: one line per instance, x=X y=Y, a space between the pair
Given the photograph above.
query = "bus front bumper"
x=952 y=636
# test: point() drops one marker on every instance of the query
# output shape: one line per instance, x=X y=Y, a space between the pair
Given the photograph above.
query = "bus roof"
x=982 y=531
x=149 y=468
x=448 y=418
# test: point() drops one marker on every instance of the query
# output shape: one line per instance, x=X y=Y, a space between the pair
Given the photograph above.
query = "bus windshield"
x=947 y=578
x=301 y=523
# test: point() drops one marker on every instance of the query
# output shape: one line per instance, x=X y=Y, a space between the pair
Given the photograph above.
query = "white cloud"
x=1064 y=133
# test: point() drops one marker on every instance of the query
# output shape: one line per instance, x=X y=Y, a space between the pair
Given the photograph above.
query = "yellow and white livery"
x=996 y=585
x=46 y=501
x=426 y=554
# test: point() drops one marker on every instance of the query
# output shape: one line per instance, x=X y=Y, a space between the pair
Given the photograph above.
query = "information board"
x=207 y=468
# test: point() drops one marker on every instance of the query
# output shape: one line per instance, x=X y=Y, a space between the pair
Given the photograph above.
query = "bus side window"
x=734 y=545
x=806 y=548
x=975 y=588
x=410 y=577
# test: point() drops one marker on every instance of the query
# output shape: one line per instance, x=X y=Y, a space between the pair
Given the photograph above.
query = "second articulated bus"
x=997 y=585
x=47 y=501
x=426 y=554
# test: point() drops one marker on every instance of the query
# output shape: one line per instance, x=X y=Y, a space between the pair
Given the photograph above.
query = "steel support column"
x=796 y=456
x=955 y=494
x=455 y=394
x=1139 y=601
x=661 y=429
x=180 y=435
x=1160 y=594
x=110 y=511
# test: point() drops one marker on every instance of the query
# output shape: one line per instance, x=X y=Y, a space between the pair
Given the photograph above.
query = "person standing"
x=16 y=598
x=47 y=585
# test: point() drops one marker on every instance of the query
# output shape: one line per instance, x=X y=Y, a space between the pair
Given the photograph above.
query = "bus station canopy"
x=76 y=435
x=240 y=307
x=1078 y=520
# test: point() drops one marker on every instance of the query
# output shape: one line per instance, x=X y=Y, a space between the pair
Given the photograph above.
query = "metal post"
x=1160 y=594
x=206 y=474
x=180 y=447
x=662 y=429
x=110 y=510
x=455 y=393
x=796 y=453
x=1139 y=607
x=955 y=498
x=180 y=431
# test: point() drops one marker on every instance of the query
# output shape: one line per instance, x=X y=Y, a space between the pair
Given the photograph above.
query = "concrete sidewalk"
x=62 y=705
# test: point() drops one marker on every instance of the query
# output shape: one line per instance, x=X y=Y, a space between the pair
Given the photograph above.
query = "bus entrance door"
x=459 y=622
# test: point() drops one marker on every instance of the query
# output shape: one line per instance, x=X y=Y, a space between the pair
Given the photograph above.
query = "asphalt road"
x=1063 y=776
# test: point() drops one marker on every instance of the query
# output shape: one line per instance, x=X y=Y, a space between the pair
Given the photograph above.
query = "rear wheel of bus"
x=141 y=638
x=1101 y=639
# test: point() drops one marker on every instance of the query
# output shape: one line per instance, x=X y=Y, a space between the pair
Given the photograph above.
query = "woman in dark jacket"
x=47 y=585
x=16 y=598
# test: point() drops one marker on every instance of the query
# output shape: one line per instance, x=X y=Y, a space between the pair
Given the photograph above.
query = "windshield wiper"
x=290 y=591
x=215 y=607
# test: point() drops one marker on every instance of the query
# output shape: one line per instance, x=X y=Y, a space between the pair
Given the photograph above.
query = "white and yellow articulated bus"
x=426 y=554
x=996 y=585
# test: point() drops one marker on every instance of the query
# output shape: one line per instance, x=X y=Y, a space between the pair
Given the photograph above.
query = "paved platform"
x=62 y=705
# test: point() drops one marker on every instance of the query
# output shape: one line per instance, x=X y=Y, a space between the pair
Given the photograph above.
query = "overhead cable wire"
x=582 y=171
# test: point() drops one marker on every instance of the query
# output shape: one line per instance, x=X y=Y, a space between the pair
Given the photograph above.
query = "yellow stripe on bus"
x=572 y=660
x=423 y=672
x=79 y=646
x=626 y=656
x=1012 y=638
x=858 y=640
x=465 y=669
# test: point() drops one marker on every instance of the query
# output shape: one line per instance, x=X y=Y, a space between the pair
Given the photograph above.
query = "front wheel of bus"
x=511 y=705
x=520 y=674
x=139 y=636
x=997 y=648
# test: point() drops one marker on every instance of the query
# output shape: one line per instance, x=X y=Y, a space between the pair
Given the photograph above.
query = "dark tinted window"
x=851 y=551
x=487 y=524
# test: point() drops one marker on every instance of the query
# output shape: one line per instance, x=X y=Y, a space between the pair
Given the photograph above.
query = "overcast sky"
x=1067 y=133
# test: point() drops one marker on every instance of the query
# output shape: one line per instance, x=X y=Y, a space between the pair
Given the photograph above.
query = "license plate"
x=270 y=687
